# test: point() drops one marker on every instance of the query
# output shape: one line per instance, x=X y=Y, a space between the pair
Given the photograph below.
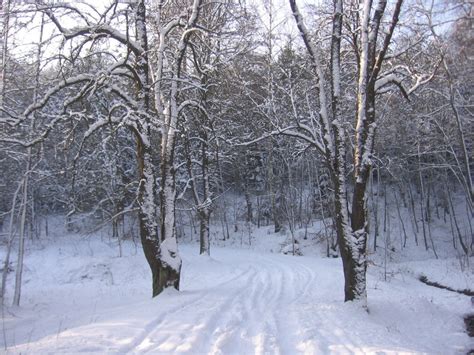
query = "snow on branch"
x=386 y=43
x=192 y=103
x=101 y=30
x=397 y=77
x=291 y=131
x=318 y=68
x=81 y=78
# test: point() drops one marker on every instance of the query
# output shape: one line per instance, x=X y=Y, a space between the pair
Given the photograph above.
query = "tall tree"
x=371 y=39
x=150 y=53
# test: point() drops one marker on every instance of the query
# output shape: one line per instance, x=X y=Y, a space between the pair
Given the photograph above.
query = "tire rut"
x=252 y=312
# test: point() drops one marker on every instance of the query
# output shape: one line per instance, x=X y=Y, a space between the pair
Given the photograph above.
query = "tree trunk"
x=353 y=253
x=6 y=263
x=21 y=244
x=171 y=262
x=205 y=212
x=248 y=202
x=352 y=242
x=148 y=219
x=164 y=263
x=204 y=232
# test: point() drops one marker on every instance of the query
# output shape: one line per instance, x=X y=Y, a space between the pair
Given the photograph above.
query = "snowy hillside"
x=79 y=296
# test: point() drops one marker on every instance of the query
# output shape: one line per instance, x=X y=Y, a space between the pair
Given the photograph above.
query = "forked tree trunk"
x=164 y=263
x=148 y=219
x=161 y=250
x=352 y=244
x=352 y=229
x=147 y=198
x=171 y=262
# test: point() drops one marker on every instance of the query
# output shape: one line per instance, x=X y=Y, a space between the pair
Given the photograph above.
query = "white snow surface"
x=79 y=296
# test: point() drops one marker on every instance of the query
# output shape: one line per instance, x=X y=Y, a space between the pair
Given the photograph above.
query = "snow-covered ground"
x=79 y=296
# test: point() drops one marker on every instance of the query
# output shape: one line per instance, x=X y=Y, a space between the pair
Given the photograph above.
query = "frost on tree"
x=372 y=41
x=161 y=249
x=143 y=86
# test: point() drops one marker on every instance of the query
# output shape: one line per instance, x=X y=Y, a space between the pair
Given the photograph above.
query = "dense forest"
x=160 y=119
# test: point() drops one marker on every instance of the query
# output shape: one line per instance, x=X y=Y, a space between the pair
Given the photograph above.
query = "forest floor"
x=79 y=296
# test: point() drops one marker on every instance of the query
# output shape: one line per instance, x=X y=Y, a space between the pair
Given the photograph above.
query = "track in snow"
x=250 y=313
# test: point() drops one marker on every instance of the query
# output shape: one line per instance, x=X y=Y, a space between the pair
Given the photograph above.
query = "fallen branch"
x=425 y=280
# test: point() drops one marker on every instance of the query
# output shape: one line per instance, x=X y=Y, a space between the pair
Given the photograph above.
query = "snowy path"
x=247 y=313
x=237 y=302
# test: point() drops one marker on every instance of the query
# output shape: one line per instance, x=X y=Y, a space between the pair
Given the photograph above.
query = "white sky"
x=284 y=27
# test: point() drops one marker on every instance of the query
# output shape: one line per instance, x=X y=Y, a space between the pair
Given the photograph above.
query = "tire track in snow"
x=291 y=291
x=271 y=306
x=197 y=329
x=253 y=312
x=321 y=331
x=234 y=328
x=228 y=335
x=259 y=331
x=157 y=323
x=270 y=325
x=214 y=322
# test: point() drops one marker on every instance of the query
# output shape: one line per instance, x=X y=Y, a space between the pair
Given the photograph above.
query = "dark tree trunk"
x=204 y=247
x=163 y=275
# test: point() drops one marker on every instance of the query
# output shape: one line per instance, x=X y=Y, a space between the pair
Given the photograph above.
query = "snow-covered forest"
x=237 y=177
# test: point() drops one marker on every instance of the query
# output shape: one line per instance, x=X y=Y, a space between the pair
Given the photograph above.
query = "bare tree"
x=151 y=111
x=371 y=39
